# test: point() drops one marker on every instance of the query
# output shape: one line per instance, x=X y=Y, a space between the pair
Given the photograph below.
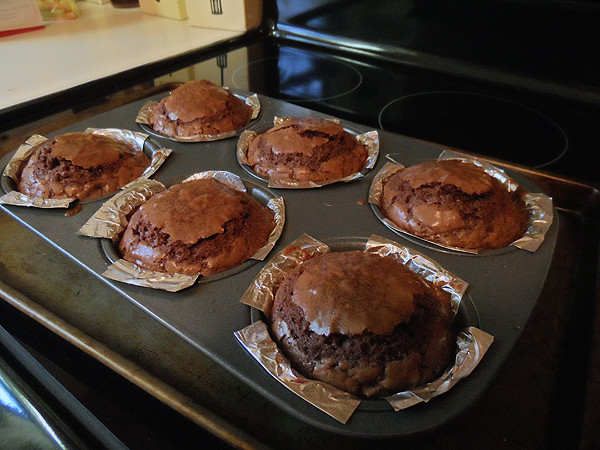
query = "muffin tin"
x=503 y=288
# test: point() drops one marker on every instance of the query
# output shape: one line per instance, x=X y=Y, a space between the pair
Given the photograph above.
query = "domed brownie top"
x=468 y=177
x=88 y=150
x=185 y=218
x=197 y=99
x=353 y=292
x=304 y=136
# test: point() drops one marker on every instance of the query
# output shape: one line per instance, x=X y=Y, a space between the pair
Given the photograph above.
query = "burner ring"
x=301 y=76
x=478 y=123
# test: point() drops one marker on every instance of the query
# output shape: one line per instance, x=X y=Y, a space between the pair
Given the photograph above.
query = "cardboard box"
x=174 y=9
x=236 y=15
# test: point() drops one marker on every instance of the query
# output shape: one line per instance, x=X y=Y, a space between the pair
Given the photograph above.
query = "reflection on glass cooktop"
x=302 y=76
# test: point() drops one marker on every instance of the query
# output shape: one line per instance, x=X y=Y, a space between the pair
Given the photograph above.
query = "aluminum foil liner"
x=369 y=139
x=18 y=199
x=129 y=273
x=472 y=342
x=157 y=158
x=142 y=119
x=338 y=404
x=24 y=151
x=538 y=205
x=111 y=219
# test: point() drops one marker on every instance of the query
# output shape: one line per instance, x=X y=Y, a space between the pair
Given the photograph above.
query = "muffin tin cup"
x=111 y=219
x=249 y=99
x=369 y=139
x=538 y=205
x=140 y=141
x=472 y=343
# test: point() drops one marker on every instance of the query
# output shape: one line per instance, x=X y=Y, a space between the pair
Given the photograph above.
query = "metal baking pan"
x=503 y=291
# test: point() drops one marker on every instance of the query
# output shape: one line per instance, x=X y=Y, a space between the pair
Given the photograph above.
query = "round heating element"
x=485 y=125
x=297 y=76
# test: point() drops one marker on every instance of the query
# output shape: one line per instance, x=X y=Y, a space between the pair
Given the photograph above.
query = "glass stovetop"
x=531 y=130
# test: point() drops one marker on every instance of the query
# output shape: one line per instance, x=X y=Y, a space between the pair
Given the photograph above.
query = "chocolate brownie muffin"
x=306 y=150
x=196 y=227
x=199 y=108
x=455 y=204
x=80 y=165
x=363 y=323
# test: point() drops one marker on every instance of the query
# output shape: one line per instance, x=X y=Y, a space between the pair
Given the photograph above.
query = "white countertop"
x=102 y=42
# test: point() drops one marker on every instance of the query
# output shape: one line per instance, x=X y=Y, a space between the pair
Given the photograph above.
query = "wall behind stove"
x=548 y=45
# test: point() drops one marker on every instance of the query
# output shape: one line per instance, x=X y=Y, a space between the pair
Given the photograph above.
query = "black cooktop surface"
x=528 y=129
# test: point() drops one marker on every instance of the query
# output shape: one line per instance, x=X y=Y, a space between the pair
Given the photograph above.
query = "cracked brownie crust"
x=197 y=227
x=306 y=150
x=199 y=107
x=455 y=204
x=80 y=165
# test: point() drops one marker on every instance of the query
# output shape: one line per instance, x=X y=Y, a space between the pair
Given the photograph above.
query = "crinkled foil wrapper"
x=111 y=219
x=369 y=139
x=24 y=151
x=142 y=119
x=472 y=343
x=538 y=205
